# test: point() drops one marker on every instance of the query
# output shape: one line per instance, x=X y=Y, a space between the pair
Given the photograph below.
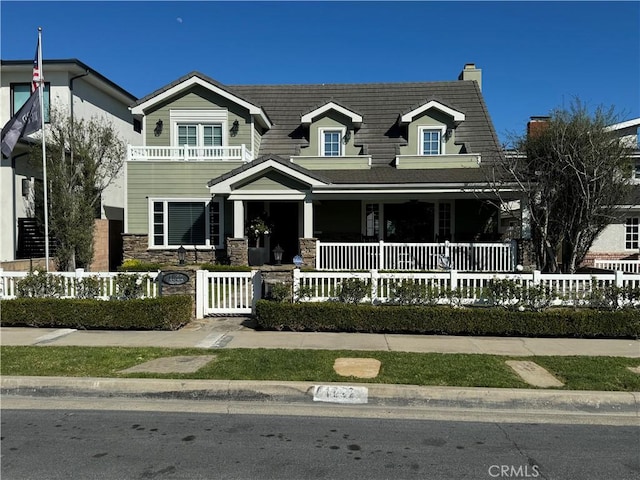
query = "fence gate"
x=227 y=293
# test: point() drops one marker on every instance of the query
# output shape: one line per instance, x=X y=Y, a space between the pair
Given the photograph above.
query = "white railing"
x=189 y=154
x=227 y=292
x=473 y=257
x=107 y=286
x=629 y=266
x=468 y=288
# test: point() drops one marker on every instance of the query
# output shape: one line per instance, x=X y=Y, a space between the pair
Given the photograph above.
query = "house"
x=391 y=162
x=621 y=239
x=78 y=89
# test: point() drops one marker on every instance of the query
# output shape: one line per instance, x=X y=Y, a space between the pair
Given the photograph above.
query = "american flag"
x=37 y=66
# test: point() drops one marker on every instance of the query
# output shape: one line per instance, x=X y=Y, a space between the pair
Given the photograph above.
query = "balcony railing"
x=238 y=153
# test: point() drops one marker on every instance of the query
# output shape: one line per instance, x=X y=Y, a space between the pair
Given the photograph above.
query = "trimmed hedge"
x=162 y=313
x=339 y=317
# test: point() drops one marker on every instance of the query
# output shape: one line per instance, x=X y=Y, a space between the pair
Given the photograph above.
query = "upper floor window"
x=331 y=142
x=20 y=93
x=632 y=233
x=430 y=141
x=199 y=135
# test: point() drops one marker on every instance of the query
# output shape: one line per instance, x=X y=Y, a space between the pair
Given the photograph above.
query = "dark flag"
x=23 y=123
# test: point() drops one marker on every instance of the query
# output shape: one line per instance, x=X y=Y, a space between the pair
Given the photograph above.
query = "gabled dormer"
x=430 y=130
x=330 y=130
x=197 y=118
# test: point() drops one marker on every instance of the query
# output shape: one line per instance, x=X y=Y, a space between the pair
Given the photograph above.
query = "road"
x=63 y=443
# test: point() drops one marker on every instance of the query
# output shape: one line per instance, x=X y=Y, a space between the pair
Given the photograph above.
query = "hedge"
x=340 y=317
x=162 y=313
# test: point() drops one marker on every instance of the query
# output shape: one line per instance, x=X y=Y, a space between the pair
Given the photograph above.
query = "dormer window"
x=331 y=142
x=431 y=141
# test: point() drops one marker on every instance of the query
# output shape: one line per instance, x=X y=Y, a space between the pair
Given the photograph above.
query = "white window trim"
x=199 y=118
x=321 y=132
x=207 y=201
x=627 y=228
x=442 y=129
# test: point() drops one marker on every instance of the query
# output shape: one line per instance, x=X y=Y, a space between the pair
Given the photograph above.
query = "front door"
x=284 y=217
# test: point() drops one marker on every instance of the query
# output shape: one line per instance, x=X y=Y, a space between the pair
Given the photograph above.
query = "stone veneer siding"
x=308 y=252
x=135 y=246
x=238 y=251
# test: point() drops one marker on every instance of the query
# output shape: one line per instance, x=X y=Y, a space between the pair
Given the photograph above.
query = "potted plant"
x=256 y=231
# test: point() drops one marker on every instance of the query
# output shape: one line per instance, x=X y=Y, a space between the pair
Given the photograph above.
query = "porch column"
x=238 y=219
x=307 y=220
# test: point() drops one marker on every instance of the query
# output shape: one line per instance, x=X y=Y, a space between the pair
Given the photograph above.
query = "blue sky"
x=534 y=56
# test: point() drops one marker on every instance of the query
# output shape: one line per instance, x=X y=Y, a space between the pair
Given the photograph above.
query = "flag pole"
x=44 y=152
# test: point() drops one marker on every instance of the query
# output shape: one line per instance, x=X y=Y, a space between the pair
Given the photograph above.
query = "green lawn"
x=463 y=370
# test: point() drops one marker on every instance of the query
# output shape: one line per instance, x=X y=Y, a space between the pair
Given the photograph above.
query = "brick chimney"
x=536 y=125
x=470 y=72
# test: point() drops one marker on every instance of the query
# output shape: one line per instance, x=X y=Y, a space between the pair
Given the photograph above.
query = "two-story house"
x=621 y=239
x=77 y=89
x=404 y=162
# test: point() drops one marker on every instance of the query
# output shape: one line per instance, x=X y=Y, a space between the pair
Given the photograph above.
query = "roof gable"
x=315 y=113
x=183 y=84
x=455 y=114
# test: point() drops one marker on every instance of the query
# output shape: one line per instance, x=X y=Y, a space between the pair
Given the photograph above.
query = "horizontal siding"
x=198 y=98
x=167 y=180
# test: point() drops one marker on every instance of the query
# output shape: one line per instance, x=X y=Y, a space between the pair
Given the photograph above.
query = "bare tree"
x=574 y=174
x=84 y=156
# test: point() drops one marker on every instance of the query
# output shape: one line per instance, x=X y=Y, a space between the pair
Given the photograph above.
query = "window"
x=444 y=221
x=198 y=135
x=431 y=142
x=186 y=222
x=636 y=170
x=331 y=143
x=632 y=233
x=20 y=93
x=372 y=221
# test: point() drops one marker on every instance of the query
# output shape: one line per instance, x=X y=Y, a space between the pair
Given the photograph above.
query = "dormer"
x=431 y=139
x=331 y=130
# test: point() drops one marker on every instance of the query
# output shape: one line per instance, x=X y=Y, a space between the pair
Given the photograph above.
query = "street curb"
x=625 y=404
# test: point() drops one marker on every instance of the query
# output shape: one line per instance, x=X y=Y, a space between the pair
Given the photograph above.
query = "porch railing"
x=470 y=257
x=189 y=154
x=629 y=266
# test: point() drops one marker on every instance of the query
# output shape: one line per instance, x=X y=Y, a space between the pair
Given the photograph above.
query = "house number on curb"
x=339 y=394
x=175 y=278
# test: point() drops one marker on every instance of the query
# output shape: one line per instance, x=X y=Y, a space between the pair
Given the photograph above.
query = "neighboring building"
x=403 y=162
x=621 y=239
x=92 y=95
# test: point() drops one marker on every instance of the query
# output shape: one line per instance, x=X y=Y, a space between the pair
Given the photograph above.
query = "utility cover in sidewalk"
x=534 y=374
x=180 y=364
x=357 y=367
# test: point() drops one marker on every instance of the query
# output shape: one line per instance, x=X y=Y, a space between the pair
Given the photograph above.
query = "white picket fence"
x=470 y=257
x=629 y=266
x=470 y=287
x=231 y=293
x=227 y=293
x=72 y=280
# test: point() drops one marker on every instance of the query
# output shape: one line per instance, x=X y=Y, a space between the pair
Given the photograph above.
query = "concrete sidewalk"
x=620 y=408
x=215 y=333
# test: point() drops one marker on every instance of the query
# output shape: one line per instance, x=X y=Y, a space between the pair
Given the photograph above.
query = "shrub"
x=135 y=265
x=40 y=285
x=353 y=290
x=280 y=292
x=163 y=313
x=337 y=317
x=409 y=292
